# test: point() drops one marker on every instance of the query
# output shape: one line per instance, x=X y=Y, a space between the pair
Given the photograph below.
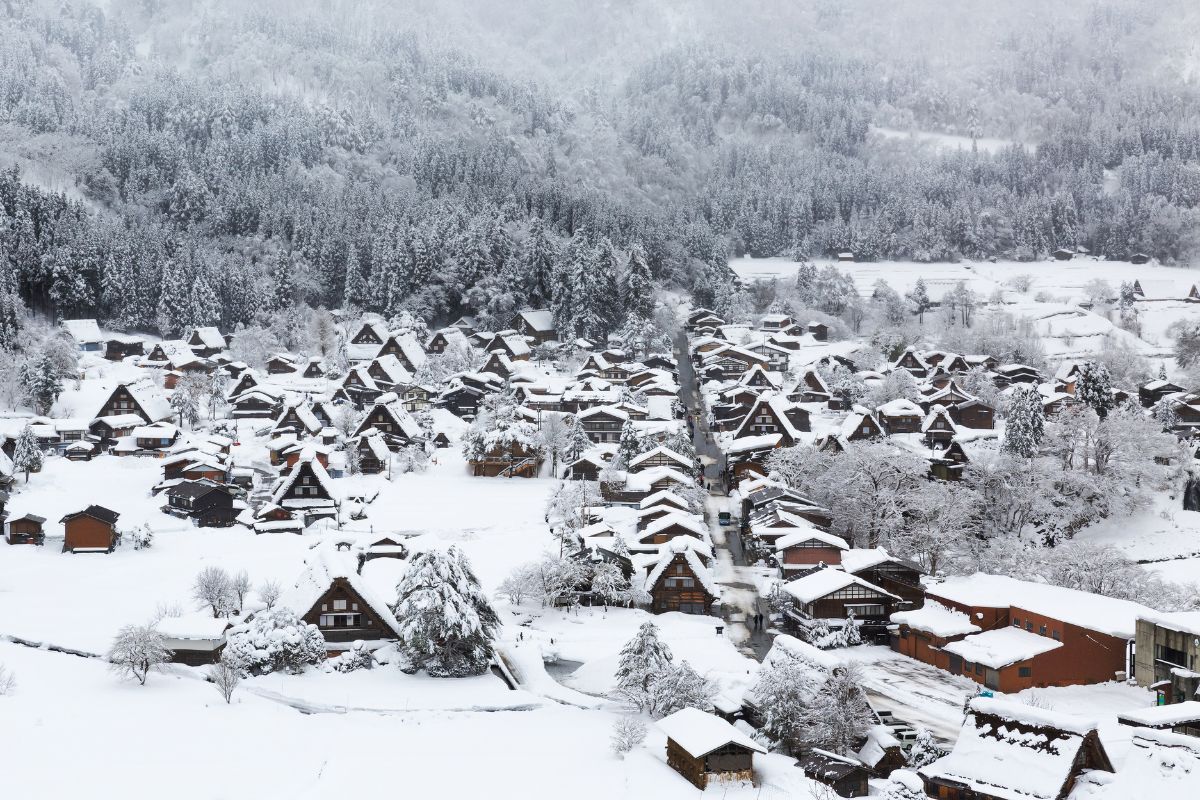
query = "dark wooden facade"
x=26 y=529
x=94 y=528
x=731 y=762
x=680 y=589
x=342 y=615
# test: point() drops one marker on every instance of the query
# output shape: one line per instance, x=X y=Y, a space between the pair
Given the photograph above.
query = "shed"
x=846 y=776
x=194 y=639
x=94 y=529
x=26 y=529
x=702 y=747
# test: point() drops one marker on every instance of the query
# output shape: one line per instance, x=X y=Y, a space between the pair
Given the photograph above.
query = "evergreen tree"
x=40 y=381
x=628 y=448
x=354 y=293
x=1025 y=423
x=637 y=287
x=782 y=692
x=539 y=258
x=919 y=297
x=446 y=622
x=642 y=660
x=27 y=457
x=578 y=443
x=174 y=305
x=838 y=715
x=205 y=306
x=1093 y=388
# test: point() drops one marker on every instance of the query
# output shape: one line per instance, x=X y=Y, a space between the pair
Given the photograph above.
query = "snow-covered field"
x=1051 y=302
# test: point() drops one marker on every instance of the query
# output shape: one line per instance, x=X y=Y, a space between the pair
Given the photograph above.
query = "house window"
x=979 y=669
x=1016 y=622
x=1029 y=626
x=1042 y=630
x=1056 y=636
x=339 y=605
x=1025 y=672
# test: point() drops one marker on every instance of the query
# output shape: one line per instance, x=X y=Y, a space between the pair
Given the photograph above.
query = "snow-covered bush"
x=276 y=640
x=141 y=537
x=356 y=658
x=628 y=732
x=924 y=750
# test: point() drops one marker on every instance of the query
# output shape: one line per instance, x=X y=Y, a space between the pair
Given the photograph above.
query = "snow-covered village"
x=626 y=400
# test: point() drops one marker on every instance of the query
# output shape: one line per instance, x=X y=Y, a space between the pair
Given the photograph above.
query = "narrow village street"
x=741 y=599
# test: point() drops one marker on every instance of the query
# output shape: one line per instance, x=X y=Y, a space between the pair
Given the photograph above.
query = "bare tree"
x=214 y=588
x=269 y=593
x=226 y=675
x=136 y=649
x=239 y=587
x=8 y=681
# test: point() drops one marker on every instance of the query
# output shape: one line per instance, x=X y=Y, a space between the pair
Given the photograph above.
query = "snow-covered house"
x=447 y=339
x=306 y=489
x=85 y=333
x=1034 y=634
x=702 y=748
x=774 y=414
x=332 y=595
x=92 y=530
x=1012 y=751
x=834 y=595
x=667 y=527
x=660 y=457
x=259 y=401
x=298 y=420
x=900 y=416
x=806 y=548
x=194 y=639
x=139 y=397
x=395 y=424
x=536 y=325
x=680 y=580
x=206 y=341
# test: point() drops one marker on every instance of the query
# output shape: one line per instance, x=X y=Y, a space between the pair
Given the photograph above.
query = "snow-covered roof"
x=860 y=558
x=643 y=481
x=1160 y=716
x=660 y=497
x=936 y=619
x=198 y=625
x=322 y=566
x=393 y=369
x=1184 y=621
x=539 y=320
x=83 y=331
x=152 y=402
x=900 y=407
x=685 y=546
x=687 y=521
x=700 y=733
x=1002 y=647
x=748 y=444
x=411 y=348
x=824 y=582
x=660 y=451
x=209 y=337
x=1158 y=764
x=1004 y=762
x=807 y=534
x=879 y=741
x=308 y=456
x=1084 y=609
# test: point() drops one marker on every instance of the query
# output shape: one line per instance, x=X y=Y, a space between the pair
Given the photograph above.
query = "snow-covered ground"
x=177 y=735
x=1055 y=288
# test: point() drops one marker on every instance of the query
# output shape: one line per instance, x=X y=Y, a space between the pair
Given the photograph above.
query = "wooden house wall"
x=87 y=533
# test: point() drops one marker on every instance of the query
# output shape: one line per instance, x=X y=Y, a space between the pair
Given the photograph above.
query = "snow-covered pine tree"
x=919 y=297
x=40 y=381
x=678 y=687
x=27 y=457
x=642 y=660
x=539 y=255
x=1093 y=388
x=446 y=622
x=1025 y=423
x=629 y=447
x=782 y=692
x=174 y=305
x=838 y=715
x=637 y=287
x=850 y=635
x=354 y=292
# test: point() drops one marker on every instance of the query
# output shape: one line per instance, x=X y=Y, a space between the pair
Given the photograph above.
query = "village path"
x=740 y=597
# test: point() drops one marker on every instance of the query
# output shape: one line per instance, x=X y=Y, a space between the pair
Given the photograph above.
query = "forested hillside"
x=172 y=163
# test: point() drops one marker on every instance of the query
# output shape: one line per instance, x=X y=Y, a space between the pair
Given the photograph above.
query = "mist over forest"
x=169 y=164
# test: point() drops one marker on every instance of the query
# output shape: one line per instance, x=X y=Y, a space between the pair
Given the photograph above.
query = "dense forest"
x=170 y=163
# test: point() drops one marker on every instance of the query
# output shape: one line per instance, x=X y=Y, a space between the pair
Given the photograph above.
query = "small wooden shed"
x=94 y=529
x=702 y=747
x=26 y=529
